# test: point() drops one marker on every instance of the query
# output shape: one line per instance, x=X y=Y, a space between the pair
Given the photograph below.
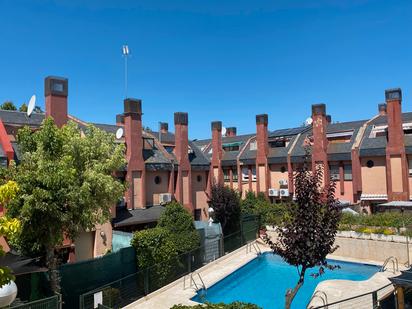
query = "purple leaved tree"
x=308 y=233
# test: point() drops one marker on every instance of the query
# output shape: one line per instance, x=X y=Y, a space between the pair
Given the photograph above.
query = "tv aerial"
x=224 y=131
x=32 y=104
x=308 y=121
x=119 y=133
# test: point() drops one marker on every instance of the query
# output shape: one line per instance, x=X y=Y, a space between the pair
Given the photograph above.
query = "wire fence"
x=122 y=292
x=382 y=298
x=53 y=302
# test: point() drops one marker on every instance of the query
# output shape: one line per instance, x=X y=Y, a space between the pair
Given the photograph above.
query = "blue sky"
x=217 y=60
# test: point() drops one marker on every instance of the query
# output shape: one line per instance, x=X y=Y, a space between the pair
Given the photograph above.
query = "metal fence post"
x=189 y=263
x=374 y=299
x=146 y=281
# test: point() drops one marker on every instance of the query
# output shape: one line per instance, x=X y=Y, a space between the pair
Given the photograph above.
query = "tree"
x=179 y=223
x=8 y=105
x=309 y=233
x=23 y=108
x=66 y=186
x=8 y=227
x=226 y=205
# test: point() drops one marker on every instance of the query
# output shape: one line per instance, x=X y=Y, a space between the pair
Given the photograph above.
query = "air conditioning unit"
x=273 y=192
x=165 y=198
x=283 y=182
x=284 y=192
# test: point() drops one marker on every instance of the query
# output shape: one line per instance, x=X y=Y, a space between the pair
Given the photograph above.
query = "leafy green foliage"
x=234 y=305
x=226 y=205
x=308 y=236
x=8 y=105
x=270 y=214
x=394 y=220
x=8 y=227
x=66 y=185
x=178 y=221
x=23 y=108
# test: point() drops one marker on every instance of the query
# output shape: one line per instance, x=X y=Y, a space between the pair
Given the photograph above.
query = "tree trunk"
x=290 y=294
x=51 y=262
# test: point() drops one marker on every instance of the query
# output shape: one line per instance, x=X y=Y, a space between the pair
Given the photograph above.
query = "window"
x=370 y=163
x=169 y=149
x=198 y=214
x=245 y=174
x=334 y=172
x=253 y=145
x=410 y=167
x=157 y=180
x=231 y=146
x=199 y=178
x=254 y=173
x=226 y=175
x=340 y=137
x=283 y=169
x=234 y=174
x=347 y=170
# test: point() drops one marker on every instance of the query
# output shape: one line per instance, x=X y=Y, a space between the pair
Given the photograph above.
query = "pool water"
x=264 y=281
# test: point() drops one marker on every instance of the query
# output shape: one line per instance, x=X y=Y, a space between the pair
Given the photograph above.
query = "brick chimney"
x=183 y=182
x=217 y=152
x=396 y=161
x=135 y=195
x=329 y=118
x=320 y=141
x=382 y=109
x=120 y=120
x=262 y=151
x=164 y=127
x=56 y=92
x=230 y=132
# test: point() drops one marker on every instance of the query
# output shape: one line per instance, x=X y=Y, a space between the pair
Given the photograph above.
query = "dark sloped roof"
x=125 y=217
x=287 y=132
x=21 y=118
x=168 y=137
x=197 y=157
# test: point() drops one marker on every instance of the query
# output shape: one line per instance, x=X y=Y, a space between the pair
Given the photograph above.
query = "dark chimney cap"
x=382 y=107
x=216 y=125
x=231 y=130
x=319 y=109
x=262 y=119
x=393 y=94
x=119 y=118
x=132 y=106
x=181 y=118
x=54 y=85
x=329 y=118
x=164 y=126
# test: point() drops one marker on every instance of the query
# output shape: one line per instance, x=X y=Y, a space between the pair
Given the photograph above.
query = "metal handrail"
x=324 y=300
x=193 y=281
x=255 y=246
x=394 y=261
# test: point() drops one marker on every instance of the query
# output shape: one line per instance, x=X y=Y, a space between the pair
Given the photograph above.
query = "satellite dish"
x=223 y=131
x=119 y=133
x=32 y=104
x=308 y=121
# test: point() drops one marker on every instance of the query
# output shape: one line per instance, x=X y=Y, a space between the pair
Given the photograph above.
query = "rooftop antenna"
x=125 y=55
x=119 y=133
x=31 y=105
x=308 y=121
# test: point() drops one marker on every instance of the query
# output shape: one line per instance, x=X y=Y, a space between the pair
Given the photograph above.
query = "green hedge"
x=235 y=305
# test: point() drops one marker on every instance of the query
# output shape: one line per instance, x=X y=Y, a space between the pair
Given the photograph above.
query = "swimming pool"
x=264 y=280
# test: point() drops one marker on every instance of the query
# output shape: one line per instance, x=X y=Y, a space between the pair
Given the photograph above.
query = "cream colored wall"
x=276 y=175
x=137 y=185
x=199 y=197
x=84 y=246
x=396 y=173
x=348 y=189
x=185 y=187
x=103 y=239
x=374 y=179
x=152 y=189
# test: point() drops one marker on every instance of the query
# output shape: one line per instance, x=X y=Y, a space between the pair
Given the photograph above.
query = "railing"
x=395 y=264
x=322 y=296
x=370 y=300
x=53 y=302
x=126 y=290
x=253 y=245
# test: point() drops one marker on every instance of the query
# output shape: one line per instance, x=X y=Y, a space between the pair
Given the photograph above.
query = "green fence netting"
x=79 y=278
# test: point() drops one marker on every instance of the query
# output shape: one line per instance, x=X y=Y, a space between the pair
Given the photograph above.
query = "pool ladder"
x=192 y=282
x=253 y=245
x=322 y=296
x=395 y=264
